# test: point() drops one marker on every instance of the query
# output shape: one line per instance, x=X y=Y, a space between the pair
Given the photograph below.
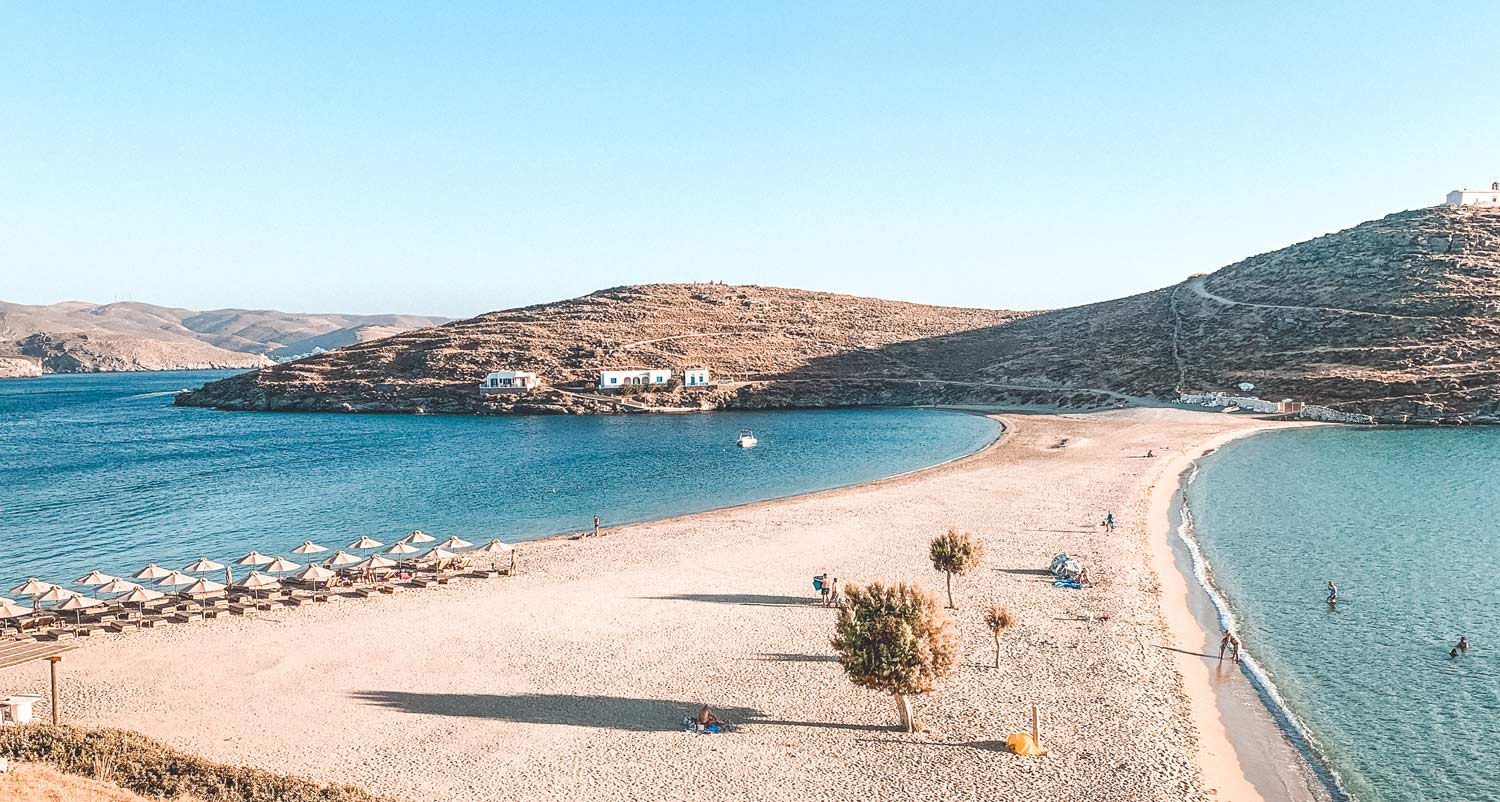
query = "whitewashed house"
x=617 y=379
x=1476 y=197
x=696 y=377
x=510 y=381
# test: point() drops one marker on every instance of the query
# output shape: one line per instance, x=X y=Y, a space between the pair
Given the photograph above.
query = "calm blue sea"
x=100 y=471
x=1407 y=523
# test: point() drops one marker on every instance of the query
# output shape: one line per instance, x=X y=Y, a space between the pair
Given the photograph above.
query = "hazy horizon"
x=382 y=159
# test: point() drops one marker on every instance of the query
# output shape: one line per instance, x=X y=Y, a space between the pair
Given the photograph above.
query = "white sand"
x=570 y=680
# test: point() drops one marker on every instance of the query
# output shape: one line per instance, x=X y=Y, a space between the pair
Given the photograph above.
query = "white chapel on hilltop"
x=1475 y=197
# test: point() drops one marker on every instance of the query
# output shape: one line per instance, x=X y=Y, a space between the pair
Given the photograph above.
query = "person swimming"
x=1453 y=654
x=1463 y=644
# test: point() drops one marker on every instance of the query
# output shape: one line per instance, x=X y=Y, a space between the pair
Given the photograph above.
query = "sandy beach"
x=571 y=680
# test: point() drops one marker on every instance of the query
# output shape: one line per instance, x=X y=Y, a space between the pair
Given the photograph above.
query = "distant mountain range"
x=79 y=337
x=1397 y=319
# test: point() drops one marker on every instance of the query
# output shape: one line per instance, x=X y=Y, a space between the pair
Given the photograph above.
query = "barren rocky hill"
x=745 y=335
x=1394 y=318
x=77 y=337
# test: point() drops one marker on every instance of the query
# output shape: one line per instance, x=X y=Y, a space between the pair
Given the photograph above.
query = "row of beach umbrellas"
x=262 y=566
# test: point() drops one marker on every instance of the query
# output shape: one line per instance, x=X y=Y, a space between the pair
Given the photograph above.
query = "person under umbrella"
x=370 y=564
x=496 y=547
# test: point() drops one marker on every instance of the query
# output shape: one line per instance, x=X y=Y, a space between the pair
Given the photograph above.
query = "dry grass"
x=30 y=782
x=142 y=765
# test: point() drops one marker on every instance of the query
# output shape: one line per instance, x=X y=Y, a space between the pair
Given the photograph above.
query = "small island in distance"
x=1392 y=321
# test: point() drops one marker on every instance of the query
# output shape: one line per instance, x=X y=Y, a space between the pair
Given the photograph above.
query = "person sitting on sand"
x=1150 y=453
x=706 y=718
x=1083 y=577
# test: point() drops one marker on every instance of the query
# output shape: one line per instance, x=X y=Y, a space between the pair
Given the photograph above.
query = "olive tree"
x=998 y=619
x=955 y=552
x=897 y=640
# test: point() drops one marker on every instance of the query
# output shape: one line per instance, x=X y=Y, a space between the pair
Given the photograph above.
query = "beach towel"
x=1070 y=584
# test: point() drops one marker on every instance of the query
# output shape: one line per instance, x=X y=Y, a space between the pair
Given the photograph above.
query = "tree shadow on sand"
x=756 y=599
x=603 y=712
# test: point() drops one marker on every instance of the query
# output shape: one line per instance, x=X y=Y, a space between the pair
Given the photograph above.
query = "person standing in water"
x=1225 y=638
x=1463 y=644
x=1333 y=593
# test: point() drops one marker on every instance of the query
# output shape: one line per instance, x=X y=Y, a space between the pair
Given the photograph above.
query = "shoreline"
x=599 y=645
x=1247 y=751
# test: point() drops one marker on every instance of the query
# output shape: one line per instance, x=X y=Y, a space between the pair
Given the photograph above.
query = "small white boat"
x=747 y=439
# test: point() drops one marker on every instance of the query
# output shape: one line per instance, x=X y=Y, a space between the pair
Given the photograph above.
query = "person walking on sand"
x=1109 y=522
x=833 y=593
x=596 y=526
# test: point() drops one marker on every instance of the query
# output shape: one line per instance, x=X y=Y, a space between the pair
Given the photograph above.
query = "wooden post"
x=52 y=665
x=1036 y=733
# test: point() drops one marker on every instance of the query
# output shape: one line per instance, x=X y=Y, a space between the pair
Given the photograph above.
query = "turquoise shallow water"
x=100 y=471
x=1404 y=521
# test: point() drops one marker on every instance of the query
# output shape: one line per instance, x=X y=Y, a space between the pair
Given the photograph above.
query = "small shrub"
x=955 y=552
x=998 y=619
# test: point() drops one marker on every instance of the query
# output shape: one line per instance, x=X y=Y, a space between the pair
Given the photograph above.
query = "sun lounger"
x=185 y=617
x=238 y=609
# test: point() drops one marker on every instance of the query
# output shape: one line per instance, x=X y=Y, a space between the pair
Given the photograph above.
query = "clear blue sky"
x=447 y=159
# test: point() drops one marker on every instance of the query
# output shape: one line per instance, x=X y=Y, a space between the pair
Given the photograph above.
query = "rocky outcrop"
x=19 y=367
x=1395 y=319
x=85 y=353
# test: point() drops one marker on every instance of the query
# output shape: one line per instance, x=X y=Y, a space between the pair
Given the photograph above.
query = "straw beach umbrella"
x=494 y=549
x=117 y=586
x=402 y=547
x=201 y=589
x=151 y=571
x=280 y=565
x=418 y=536
x=53 y=594
x=32 y=587
x=175 y=578
x=254 y=558
x=365 y=543
x=256 y=582
x=140 y=596
x=454 y=542
x=308 y=547
x=9 y=609
x=314 y=574
x=341 y=558
x=94 y=578
x=78 y=603
x=203 y=565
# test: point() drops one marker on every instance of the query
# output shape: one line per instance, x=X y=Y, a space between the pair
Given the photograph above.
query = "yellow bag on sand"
x=1022 y=744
